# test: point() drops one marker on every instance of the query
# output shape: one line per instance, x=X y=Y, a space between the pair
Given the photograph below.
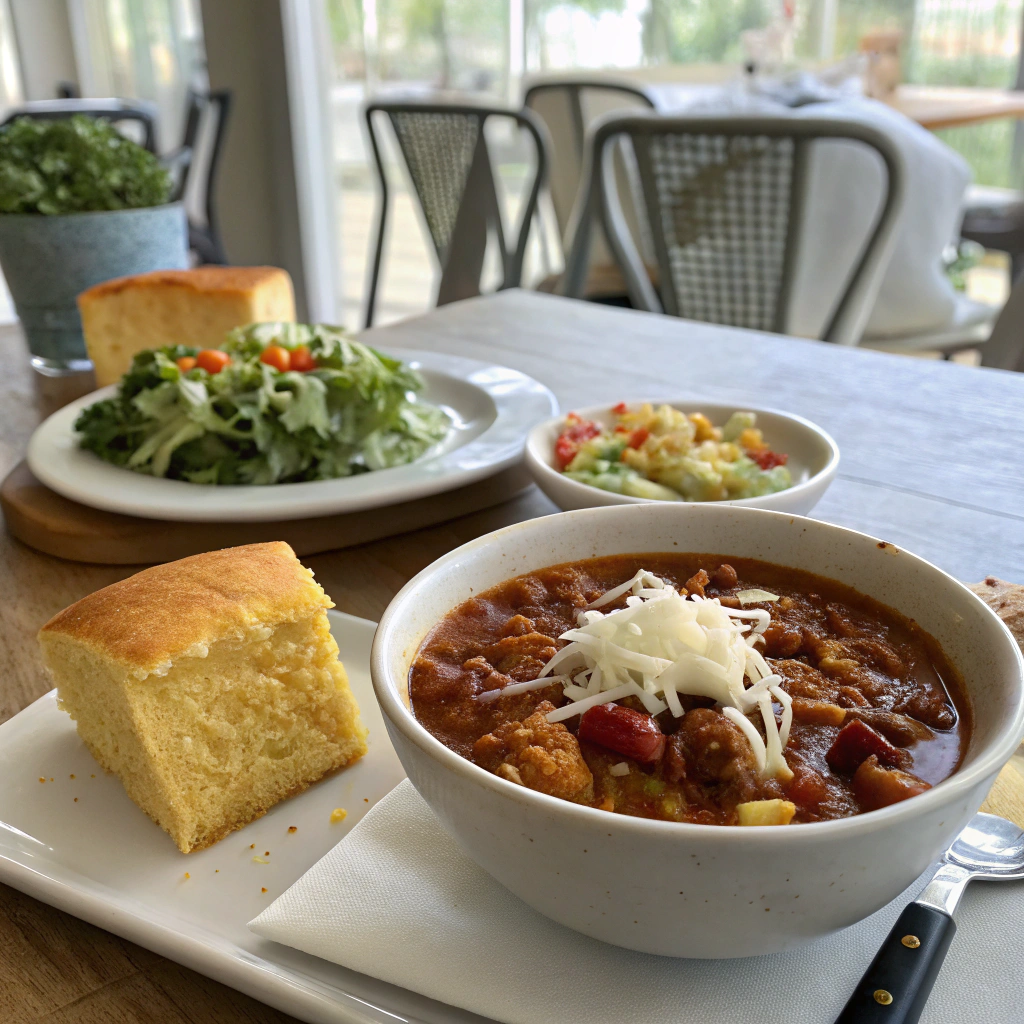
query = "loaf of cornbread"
x=177 y=307
x=211 y=686
x=1006 y=600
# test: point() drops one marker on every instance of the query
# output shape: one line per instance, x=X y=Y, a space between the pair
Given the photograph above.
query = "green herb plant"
x=76 y=165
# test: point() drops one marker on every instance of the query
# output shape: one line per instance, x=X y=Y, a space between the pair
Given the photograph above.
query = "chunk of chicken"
x=522 y=656
x=538 y=754
x=800 y=680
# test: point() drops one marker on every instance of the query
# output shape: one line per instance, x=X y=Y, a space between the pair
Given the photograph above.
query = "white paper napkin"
x=397 y=899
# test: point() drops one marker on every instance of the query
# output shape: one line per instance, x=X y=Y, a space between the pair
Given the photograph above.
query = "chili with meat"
x=878 y=714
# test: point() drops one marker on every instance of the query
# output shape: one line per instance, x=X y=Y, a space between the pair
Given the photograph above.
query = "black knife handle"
x=895 y=987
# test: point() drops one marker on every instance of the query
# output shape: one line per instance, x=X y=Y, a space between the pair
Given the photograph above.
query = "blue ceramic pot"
x=48 y=261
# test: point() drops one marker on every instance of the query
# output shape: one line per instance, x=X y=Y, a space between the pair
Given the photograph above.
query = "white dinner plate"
x=492 y=408
x=103 y=860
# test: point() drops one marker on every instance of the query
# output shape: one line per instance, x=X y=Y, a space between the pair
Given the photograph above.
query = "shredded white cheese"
x=533 y=684
x=756 y=596
x=663 y=644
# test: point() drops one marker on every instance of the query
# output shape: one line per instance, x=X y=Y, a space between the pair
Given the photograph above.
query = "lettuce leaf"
x=357 y=411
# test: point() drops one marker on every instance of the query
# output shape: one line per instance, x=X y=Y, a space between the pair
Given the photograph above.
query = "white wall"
x=257 y=201
x=47 y=55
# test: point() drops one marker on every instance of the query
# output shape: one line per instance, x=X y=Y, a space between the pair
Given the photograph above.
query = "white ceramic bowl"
x=813 y=458
x=701 y=890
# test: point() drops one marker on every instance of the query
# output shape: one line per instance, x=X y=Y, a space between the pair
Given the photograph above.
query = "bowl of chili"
x=683 y=883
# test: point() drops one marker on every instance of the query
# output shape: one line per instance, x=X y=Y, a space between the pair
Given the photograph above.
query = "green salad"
x=276 y=403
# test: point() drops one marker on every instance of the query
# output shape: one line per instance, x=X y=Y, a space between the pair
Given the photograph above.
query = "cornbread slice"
x=177 y=307
x=1006 y=600
x=211 y=686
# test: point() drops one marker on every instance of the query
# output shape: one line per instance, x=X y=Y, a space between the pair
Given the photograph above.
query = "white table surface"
x=932 y=452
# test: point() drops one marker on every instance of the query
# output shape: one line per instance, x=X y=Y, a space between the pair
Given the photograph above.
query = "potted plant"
x=79 y=204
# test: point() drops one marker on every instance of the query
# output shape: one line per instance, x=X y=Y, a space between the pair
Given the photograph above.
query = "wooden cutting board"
x=58 y=526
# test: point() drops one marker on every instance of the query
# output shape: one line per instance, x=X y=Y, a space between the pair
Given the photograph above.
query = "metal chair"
x=725 y=199
x=567 y=106
x=116 y=111
x=194 y=165
x=449 y=165
x=1004 y=350
x=994 y=218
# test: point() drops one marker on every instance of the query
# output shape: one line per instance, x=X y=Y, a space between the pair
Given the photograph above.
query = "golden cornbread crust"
x=201 y=279
x=1006 y=600
x=160 y=613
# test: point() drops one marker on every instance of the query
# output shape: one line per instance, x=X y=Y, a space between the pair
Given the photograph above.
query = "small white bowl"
x=813 y=458
x=701 y=890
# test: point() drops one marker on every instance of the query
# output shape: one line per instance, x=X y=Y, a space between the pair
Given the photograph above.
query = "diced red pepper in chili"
x=856 y=742
x=569 y=441
x=625 y=731
x=620 y=408
x=767 y=459
x=638 y=437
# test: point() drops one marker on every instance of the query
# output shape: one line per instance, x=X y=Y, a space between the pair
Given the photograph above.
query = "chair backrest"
x=206 y=126
x=114 y=110
x=446 y=154
x=568 y=106
x=725 y=200
x=195 y=164
x=1004 y=349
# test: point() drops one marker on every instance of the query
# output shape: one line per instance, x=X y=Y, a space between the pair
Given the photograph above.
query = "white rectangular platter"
x=74 y=840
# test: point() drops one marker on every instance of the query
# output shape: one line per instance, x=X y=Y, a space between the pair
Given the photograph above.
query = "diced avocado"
x=607 y=481
x=596 y=450
x=694 y=480
x=637 y=486
x=736 y=424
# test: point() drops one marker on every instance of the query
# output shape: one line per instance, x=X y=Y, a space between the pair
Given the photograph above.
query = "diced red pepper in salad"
x=620 y=409
x=625 y=731
x=575 y=433
x=768 y=459
x=638 y=437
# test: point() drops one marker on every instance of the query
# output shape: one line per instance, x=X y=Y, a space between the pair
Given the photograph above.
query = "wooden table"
x=931 y=457
x=943 y=106
x=933 y=106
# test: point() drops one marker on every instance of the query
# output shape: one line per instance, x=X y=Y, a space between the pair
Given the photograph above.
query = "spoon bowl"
x=990 y=848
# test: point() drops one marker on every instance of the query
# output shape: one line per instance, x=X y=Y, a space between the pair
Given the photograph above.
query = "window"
x=483 y=48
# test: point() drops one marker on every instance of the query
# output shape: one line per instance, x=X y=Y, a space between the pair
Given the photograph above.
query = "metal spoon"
x=895 y=987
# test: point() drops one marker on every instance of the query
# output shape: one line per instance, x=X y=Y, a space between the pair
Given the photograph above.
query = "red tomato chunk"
x=569 y=441
x=625 y=731
x=768 y=459
x=302 y=359
x=876 y=786
x=856 y=742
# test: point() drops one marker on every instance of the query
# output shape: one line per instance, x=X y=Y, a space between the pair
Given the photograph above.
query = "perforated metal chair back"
x=445 y=150
x=725 y=199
